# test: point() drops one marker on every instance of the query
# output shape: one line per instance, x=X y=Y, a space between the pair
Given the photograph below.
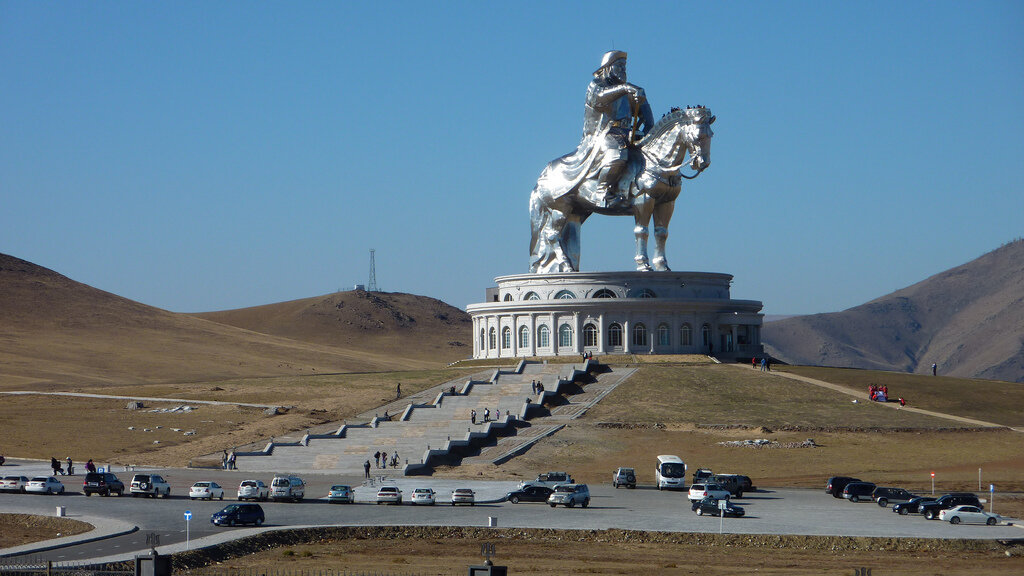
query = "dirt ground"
x=18 y=529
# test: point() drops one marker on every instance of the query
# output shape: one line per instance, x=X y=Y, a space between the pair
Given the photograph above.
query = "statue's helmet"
x=610 y=58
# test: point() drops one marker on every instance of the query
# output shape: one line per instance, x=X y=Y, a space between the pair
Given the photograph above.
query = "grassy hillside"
x=968 y=320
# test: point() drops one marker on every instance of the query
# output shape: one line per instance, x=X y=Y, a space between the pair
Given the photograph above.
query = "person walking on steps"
x=366 y=468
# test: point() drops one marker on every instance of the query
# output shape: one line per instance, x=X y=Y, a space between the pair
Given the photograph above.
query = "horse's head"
x=679 y=132
x=698 y=137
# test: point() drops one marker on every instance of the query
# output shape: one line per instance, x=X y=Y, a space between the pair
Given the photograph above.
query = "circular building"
x=566 y=314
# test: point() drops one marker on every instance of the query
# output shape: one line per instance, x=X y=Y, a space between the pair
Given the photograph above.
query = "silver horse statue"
x=650 y=184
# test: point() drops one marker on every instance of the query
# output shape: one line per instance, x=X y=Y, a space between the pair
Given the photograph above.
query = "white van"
x=670 y=473
x=287 y=488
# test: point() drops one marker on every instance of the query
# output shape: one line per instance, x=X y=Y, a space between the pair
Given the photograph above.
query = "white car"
x=463 y=496
x=253 y=490
x=44 y=485
x=424 y=496
x=13 y=484
x=206 y=491
x=389 y=494
x=699 y=492
x=967 y=514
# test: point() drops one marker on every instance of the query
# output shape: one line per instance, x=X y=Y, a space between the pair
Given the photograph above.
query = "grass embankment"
x=95 y=428
x=18 y=529
x=690 y=410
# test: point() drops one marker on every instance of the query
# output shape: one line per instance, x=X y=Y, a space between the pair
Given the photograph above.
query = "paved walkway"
x=894 y=405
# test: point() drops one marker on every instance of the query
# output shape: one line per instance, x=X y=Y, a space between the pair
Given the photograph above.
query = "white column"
x=533 y=334
x=515 y=337
x=626 y=335
x=576 y=333
x=600 y=333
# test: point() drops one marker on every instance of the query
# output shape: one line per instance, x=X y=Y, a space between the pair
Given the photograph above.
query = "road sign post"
x=992 y=498
x=933 y=483
x=188 y=518
x=722 y=505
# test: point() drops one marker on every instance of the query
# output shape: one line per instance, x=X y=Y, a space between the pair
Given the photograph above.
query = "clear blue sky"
x=210 y=155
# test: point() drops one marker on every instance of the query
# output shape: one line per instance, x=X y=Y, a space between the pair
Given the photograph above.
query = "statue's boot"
x=607 y=186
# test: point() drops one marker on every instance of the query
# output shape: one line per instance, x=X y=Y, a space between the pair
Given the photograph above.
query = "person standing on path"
x=472 y=416
x=935 y=369
x=376 y=458
x=398 y=391
x=384 y=459
x=487 y=414
x=366 y=468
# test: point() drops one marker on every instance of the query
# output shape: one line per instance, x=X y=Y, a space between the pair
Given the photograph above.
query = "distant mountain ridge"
x=968 y=320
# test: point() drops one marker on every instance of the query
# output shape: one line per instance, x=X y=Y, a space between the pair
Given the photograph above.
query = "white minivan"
x=287 y=488
x=670 y=473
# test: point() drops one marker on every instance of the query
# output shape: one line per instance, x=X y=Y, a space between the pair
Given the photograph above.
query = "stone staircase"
x=425 y=431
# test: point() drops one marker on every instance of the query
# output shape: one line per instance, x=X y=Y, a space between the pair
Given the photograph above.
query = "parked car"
x=206 y=491
x=570 y=495
x=967 y=514
x=389 y=495
x=463 y=496
x=44 y=485
x=733 y=483
x=857 y=491
x=701 y=475
x=253 y=490
x=624 y=477
x=710 y=506
x=529 y=494
x=746 y=484
x=234 y=514
x=912 y=506
x=102 y=483
x=835 y=485
x=424 y=496
x=930 y=510
x=287 y=488
x=13 y=484
x=707 y=490
x=550 y=479
x=151 y=485
x=885 y=495
x=341 y=494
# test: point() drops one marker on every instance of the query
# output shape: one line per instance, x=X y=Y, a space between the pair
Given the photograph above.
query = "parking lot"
x=769 y=511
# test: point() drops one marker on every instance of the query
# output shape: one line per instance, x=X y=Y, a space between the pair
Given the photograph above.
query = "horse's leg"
x=642 y=208
x=662 y=216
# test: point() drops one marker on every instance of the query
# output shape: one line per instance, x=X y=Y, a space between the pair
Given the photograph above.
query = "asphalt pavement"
x=769 y=511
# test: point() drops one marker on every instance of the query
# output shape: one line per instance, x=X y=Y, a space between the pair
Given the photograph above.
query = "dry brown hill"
x=58 y=333
x=383 y=322
x=968 y=320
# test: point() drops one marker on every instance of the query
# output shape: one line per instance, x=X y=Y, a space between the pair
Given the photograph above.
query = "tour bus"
x=670 y=473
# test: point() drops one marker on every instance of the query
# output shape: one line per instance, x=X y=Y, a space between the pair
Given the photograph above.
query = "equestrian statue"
x=626 y=164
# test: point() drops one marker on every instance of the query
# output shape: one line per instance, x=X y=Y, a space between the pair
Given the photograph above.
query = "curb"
x=47 y=545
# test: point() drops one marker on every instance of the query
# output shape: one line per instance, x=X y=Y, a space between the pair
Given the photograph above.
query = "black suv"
x=884 y=496
x=702 y=475
x=837 y=483
x=239 y=514
x=731 y=482
x=931 y=510
x=857 y=491
x=102 y=483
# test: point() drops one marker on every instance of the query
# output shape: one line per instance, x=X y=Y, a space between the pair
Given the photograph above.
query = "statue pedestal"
x=569 y=314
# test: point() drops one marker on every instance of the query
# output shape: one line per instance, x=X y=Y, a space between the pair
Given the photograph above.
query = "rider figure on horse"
x=616 y=114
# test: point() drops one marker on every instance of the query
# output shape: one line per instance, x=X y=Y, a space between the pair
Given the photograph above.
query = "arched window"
x=531 y=296
x=492 y=339
x=564 y=335
x=685 y=335
x=524 y=337
x=481 y=338
x=506 y=337
x=590 y=335
x=565 y=295
x=543 y=336
x=507 y=298
x=664 y=335
x=639 y=334
x=705 y=334
x=645 y=293
x=615 y=335
x=604 y=293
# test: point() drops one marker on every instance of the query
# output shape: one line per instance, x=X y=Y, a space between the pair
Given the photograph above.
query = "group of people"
x=381 y=459
x=766 y=365
x=537 y=386
x=227 y=460
x=487 y=415
x=881 y=394
x=58 y=469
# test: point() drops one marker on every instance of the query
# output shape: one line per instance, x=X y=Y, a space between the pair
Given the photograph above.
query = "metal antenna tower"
x=371 y=286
